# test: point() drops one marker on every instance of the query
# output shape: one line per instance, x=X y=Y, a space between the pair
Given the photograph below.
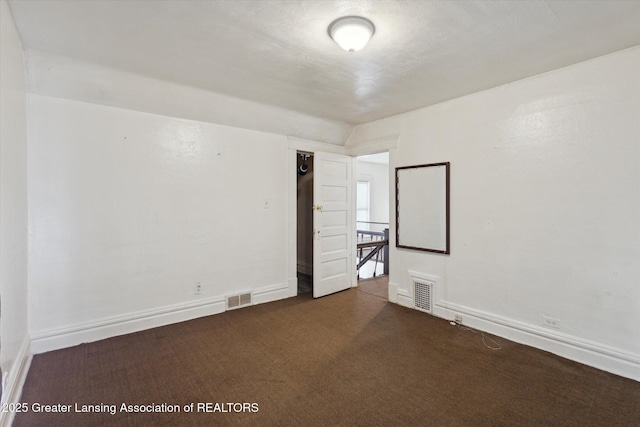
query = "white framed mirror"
x=422 y=207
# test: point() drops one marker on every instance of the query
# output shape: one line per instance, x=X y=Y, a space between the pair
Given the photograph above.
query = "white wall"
x=14 y=342
x=378 y=177
x=129 y=210
x=545 y=201
x=68 y=78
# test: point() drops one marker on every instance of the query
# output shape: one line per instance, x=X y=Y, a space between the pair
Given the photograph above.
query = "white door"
x=332 y=223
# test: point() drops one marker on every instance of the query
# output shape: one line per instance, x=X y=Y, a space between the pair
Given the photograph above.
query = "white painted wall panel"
x=128 y=210
x=545 y=199
x=13 y=203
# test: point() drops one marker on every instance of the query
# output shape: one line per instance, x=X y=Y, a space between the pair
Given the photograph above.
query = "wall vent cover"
x=423 y=293
x=245 y=299
x=233 y=302
x=237 y=301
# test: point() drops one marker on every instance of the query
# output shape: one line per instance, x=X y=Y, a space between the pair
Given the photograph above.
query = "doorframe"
x=390 y=195
x=371 y=146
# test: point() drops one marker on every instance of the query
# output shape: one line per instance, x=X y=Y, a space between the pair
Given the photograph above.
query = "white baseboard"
x=601 y=356
x=15 y=381
x=293 y=286
x=590 y=353
x=54 y=339
x=270 y=293
x=393 y=292
x=404 y=298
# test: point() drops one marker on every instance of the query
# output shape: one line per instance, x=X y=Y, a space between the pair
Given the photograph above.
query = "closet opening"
x=304 y=254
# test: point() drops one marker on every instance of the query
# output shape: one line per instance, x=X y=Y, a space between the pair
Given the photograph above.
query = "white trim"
x=293 y=287
x=54 y=339
x=373 y=146
x=270 y=293
x=292 y=221
x=15 y=381
x=393 y=292
x=590 y=353
x=300 y=144
x=354 y=224
x=405 y=298
x=426 y=277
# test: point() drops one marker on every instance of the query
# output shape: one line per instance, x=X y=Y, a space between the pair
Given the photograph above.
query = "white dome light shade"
x=351 y=32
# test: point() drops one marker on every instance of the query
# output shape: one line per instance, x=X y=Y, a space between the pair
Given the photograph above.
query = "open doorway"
x=304 y=208
x=372 y=223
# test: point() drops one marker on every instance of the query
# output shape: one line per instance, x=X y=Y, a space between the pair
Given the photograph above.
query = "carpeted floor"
x=378 y=286
x=347 y=359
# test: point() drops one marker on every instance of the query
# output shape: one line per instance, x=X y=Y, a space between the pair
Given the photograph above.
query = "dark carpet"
x=347 y=359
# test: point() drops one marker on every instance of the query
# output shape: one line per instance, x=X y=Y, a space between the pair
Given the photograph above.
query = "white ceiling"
x=278 y=52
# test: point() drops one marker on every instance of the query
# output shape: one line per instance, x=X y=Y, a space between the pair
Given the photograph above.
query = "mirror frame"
x=447 y=208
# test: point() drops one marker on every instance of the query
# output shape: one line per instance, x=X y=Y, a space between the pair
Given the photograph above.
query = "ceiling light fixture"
x=351 y=32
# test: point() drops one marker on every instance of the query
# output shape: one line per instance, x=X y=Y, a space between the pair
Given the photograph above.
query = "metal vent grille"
x=245 y=299
x=233 y=302
x=237 y=301
x=423 y=296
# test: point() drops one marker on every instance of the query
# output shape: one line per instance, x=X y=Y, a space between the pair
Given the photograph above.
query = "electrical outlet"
x=198 y=289
x=457 y=318
x=551 y=322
